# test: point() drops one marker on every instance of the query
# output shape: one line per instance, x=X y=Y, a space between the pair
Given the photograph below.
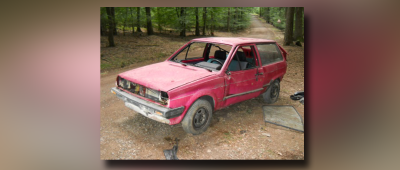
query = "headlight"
x=120 y=82
x=152 y=94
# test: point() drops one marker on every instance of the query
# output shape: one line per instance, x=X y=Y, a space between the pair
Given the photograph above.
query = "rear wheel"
x=272 y=94
x=198 y=117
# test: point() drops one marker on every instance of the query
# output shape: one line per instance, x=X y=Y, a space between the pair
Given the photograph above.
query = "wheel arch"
x=207 y=95
x=209 y=99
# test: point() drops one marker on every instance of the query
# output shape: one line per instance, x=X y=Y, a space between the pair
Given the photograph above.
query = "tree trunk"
x=212 y=21
x=236 y=18
x=267 y=15
x=288 y=40
x=103 y=27
x=110 y=27
x=126 y=16
x=260 y=11
x=229 y=17
x=115 y=23
x=148 y=19
x=286 y=11
x=138 y=20
x=197 y=22
x=159 y=20
x=133 y=27
x=241 y=13
x=298 y=30
x=204 y=19
x=183 y=25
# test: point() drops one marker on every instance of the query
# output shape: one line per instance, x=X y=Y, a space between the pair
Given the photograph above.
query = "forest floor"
x=236 y=132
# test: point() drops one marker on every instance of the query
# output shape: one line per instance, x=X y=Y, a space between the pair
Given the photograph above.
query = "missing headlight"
x=164 y=98
x=121 y=82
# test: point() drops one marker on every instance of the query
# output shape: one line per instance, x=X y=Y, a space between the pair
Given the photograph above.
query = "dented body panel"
x=184 y=83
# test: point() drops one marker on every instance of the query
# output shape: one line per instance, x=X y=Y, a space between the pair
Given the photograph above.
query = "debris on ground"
x=170 y=154
x=266 y=134
x=298 y=96
x=285 y=116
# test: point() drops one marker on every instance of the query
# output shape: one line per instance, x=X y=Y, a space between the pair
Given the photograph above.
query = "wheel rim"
x=274 y=92
x=200 y=118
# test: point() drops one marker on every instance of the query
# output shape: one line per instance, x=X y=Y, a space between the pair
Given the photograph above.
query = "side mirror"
x=228 y=72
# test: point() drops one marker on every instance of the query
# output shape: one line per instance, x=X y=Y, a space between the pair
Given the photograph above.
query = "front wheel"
x=198 y=117
x=272 y=94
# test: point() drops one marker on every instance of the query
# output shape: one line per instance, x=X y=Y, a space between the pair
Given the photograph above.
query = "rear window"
x=269 y=53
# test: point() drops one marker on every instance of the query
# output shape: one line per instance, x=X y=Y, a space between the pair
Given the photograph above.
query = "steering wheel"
x=212 y=59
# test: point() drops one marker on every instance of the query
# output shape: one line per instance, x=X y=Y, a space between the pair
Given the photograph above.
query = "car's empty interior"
x=216 y=56
x=242 y=60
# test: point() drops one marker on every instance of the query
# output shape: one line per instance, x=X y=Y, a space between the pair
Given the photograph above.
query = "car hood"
x=165 y=76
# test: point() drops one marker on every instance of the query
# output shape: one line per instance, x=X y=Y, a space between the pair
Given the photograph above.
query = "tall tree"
x=204 y=19
x=298 y=28
x=236 y=18
x=267 y=15
x=288 y=40
x=197 y=22
x=149 y=25
x=182 y=18
x=115 y=23
x=103 y=21
x=229 y=17
x=133 y=27
x=125 y=19
x=159 y=19
x=110 y=26
x=212 y=21
x=138 y=20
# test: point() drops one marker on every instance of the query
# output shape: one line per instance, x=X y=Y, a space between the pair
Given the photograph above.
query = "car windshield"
x=206 y=55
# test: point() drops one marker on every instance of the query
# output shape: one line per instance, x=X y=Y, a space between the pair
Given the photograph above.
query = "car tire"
x=198 y=117
x=272 y=94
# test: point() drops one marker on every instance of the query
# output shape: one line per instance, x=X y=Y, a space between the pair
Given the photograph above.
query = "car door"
x=272 y=63
x=242 y=76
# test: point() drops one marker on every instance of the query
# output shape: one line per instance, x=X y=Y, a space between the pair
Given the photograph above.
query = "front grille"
x=139 y=90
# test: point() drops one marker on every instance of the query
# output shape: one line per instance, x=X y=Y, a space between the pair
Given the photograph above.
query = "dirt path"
x=236 y=132
x=262 y=30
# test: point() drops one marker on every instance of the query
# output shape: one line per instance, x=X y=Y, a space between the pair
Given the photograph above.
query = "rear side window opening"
x=269 y=53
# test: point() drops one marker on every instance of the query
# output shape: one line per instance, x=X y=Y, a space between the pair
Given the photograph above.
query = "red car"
x=205 y=75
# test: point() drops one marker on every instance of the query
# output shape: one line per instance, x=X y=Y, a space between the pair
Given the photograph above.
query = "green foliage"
x=275 y=14
x=167 y=19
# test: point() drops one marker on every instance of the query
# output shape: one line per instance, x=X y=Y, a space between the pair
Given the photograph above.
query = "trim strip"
x=239 y=94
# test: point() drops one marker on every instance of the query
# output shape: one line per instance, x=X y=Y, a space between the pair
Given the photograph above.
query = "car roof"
x=233 y=40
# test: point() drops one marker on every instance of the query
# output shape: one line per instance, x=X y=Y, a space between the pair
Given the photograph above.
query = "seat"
x=218 y=55
x=234 y=66
x=251 y=60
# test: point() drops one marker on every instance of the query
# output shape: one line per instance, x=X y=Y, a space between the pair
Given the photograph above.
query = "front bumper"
x=146 y=108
